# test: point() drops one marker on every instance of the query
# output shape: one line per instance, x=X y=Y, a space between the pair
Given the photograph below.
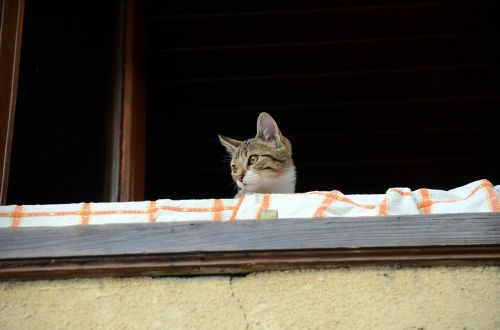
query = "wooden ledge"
x=156 y=249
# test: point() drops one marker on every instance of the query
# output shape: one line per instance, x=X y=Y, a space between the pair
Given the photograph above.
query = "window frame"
x=11 y=31
x=203 y=248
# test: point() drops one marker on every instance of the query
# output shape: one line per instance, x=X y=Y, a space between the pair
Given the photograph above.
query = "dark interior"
x=372 y=96
x=63 y=103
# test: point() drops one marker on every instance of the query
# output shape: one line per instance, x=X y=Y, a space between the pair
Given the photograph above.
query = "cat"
x=264 y=163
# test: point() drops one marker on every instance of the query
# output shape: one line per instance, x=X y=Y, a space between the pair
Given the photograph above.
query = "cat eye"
x=252 y=160
x=234 y=168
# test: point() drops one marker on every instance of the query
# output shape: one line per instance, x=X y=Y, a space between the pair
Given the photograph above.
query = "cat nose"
x=240 y=177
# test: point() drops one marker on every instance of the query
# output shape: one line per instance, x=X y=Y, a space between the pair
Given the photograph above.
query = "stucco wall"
x=355 y=298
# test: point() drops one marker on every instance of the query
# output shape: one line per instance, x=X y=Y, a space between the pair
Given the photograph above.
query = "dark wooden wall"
x=372 y=95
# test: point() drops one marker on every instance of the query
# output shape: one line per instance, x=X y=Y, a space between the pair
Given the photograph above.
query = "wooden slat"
x=285 y=234
x=11 y=20
x=244 y=246
x=311 y=26
x=420 y=143
x=353 y=117
x=377 y=177
x=133 y=128
x=348 y=86
x=243 y=262
x=229 y=7
x=370 y=54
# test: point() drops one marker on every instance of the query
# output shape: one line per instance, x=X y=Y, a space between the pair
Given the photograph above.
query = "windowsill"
x=156 y=249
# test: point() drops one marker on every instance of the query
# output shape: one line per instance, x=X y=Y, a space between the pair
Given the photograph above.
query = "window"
x=75 y=119
x=64 y=104
x=372 y=96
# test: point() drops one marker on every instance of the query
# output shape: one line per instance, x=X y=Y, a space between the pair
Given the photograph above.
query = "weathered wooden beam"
x=242 y=262
x=245 y=246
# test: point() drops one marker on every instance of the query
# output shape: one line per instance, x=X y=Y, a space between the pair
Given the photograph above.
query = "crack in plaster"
x=240 y=305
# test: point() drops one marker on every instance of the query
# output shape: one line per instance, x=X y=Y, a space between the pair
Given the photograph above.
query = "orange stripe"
x=237 y=208
x=492 y=196
x=264 y=206
x=64 y=213
x=192 y=209
x=426 y=202
x=152 y=211
x=400 y=192
x=330 y=197
x=85 y=213
x=363 y=206
x=382 y=208
x=475 y=190
x=345 y=200
x=218 y=208
x=111 y=212
x=17 y=216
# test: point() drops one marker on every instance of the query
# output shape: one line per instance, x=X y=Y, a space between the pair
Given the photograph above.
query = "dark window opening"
x=400 y=93
x=60 y=139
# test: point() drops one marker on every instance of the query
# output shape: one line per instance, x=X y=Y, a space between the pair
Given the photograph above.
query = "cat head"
x=264 y=163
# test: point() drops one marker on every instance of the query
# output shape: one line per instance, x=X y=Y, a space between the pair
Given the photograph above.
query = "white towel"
x=478 y=196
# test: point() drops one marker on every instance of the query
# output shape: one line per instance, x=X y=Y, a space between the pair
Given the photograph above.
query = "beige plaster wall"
x=355 y=298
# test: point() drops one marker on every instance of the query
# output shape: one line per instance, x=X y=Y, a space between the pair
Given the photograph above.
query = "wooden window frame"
x=133 y=118
x=128 y=131
x=11 y=31
x=192 y=248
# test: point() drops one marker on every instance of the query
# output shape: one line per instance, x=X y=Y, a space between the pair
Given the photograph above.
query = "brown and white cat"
x=262 y=164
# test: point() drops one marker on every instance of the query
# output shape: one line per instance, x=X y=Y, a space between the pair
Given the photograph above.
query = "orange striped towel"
x=478 y=196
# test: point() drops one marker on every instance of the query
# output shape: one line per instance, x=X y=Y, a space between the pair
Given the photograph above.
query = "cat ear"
x=230 y=144
x=267 y=129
